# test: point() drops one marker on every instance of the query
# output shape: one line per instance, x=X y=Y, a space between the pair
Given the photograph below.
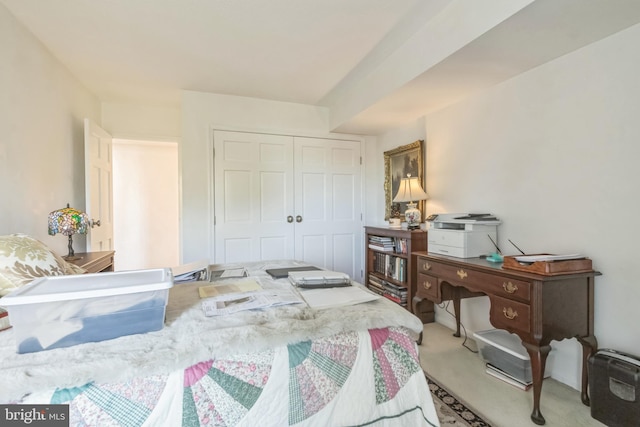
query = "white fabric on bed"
x=188 y=337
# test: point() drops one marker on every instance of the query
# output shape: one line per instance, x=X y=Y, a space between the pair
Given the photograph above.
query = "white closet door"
x=253 y=197
x=328 y=204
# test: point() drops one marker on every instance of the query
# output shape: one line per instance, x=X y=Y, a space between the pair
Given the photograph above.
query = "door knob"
x=94 y=223
x=289 y=218
x=298 y=218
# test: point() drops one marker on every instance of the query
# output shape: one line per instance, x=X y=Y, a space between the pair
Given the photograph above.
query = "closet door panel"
x=237 y=192
x=343 y=195
x=313 y=249
x=253 y=195
x=314 y=197
x=273 y=192
x=344 y=246
x=235 y=249
x=273 y=248
x=329 y=202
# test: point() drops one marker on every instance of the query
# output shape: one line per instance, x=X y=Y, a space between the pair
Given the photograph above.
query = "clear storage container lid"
x=503 y=340
x=82 y=286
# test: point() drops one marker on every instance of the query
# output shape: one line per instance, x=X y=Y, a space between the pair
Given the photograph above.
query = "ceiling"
x=316 y=52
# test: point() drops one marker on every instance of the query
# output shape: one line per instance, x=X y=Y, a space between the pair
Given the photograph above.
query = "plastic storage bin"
x=62 y=311
x=505 y=351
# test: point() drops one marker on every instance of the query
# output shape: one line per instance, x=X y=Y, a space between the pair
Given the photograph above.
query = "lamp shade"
x=410 y=190
x=68 y=221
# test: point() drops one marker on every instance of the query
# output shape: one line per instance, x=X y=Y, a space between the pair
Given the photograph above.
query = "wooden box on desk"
x=549 y=268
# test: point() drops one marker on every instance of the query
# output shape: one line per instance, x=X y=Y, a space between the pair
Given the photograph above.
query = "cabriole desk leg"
x=538 y=356
x=456 y=310
x=589 y=347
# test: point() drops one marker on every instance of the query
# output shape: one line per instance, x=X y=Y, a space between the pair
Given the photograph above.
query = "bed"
x=291 y=365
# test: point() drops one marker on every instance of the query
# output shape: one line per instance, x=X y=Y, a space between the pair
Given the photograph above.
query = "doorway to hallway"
x=145 y=204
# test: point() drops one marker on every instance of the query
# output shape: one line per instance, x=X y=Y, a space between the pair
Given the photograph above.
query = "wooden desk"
x=537 y=308
x=95 y=262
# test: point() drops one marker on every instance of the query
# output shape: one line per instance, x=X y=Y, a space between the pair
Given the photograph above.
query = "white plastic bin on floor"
x=62 y=311
x=505 y=351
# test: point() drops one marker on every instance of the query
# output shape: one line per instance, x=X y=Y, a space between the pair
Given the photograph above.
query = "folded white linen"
x=47 y=334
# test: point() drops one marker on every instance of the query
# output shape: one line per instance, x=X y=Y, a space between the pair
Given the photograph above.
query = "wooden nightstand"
x=95 y=262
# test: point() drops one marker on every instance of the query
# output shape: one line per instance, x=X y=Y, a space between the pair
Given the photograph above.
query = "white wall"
x=554 y=153
x=142 y=122
x=42 y=109
x=146 y=204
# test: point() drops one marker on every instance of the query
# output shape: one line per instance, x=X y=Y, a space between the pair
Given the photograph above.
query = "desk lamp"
x=68 y=221
x=410 y=190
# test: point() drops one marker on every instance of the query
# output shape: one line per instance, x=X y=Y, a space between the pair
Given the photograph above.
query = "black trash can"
x=614 y=387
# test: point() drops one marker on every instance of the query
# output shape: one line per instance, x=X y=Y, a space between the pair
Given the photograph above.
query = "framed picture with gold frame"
x=397 y=164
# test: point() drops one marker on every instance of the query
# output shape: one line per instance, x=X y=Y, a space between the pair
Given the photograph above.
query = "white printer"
x=462 y=235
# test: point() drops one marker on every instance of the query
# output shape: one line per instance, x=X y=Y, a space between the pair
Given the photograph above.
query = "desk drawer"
x=427 y=287
x=424 y=265
x=510 y=288
x=508 y=314
x=104 y=264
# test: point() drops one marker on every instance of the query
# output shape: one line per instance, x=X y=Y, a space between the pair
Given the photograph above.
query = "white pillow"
x=23 y=258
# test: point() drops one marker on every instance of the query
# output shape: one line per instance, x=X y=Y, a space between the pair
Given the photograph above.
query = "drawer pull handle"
x=426 y=266
x=509 y=313
x=462 y=274
x=427 y=285
x=509 y=287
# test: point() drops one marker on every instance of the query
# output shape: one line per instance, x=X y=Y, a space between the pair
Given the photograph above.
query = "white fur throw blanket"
x=187 y=338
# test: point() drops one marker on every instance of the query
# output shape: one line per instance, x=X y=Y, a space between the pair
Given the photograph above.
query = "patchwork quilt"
x=349 y=379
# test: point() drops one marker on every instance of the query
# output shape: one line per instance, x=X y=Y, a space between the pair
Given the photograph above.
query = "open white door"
x=98 y=176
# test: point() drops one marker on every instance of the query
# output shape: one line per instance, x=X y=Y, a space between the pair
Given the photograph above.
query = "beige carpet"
x=451 y=411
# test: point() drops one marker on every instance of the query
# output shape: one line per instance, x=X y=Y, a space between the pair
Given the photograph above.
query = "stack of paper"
x=246 y=294
x=195 y=271
x=227 y=273
x=235 y=287
x=319 y=279
x=535 y=258
x=233 y=303
x=337 y=297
